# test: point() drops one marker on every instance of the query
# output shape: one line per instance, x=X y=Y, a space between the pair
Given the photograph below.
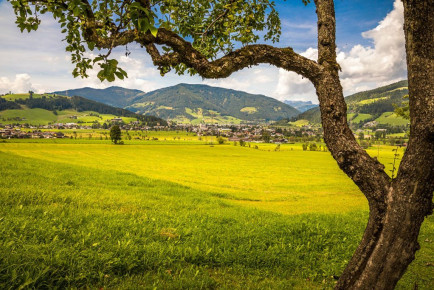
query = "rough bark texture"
x=390 y=240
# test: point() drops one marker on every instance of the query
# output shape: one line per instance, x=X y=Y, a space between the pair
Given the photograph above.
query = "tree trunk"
x=398 y=207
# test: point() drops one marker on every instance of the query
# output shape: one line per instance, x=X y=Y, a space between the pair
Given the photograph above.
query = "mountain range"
x=190 y=103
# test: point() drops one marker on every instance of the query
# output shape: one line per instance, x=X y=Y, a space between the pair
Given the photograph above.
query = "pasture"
x=391 y=118
x=185 y=215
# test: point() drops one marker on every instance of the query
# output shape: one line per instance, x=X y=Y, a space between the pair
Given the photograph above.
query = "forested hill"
x=113 y=96
x=59 y=103
x=369 y=105
x=186 y=102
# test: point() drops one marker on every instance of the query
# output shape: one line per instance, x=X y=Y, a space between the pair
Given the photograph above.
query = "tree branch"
x=223 y=67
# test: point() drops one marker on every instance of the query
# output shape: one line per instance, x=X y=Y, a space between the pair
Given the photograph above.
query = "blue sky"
x=369 y=38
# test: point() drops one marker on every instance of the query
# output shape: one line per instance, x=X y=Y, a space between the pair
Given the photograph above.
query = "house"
x=370 y=124
x=58 y=135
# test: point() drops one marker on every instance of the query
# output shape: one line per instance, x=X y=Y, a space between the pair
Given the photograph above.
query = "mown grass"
x=95 y=215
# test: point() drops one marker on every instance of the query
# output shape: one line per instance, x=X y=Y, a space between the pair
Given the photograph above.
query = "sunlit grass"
x=180 y=216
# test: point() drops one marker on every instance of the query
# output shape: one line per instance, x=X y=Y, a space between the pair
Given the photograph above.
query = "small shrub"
x=312 y=147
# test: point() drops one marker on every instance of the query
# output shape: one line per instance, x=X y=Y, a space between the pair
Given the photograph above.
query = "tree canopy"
x=180 y=35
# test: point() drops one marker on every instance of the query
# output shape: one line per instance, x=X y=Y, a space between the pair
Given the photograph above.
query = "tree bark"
x=398 y=207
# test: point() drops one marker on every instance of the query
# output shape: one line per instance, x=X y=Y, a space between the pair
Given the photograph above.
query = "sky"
x=370 y=42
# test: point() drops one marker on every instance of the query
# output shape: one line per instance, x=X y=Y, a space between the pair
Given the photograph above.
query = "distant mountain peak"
x=302 y=106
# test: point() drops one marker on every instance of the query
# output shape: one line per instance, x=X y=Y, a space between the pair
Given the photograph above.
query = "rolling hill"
x=195 y=103
x=49 y=108
x=373 y=105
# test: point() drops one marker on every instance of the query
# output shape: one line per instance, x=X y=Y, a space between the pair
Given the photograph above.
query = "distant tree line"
x=8 y=105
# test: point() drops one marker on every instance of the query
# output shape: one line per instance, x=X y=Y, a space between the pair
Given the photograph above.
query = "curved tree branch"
x=223 y=67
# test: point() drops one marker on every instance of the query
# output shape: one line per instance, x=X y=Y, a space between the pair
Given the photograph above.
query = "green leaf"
x=119 y=75
x=101 y=75
x=154 y=31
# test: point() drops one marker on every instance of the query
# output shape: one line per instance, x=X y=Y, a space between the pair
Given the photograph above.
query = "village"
x=249 y=133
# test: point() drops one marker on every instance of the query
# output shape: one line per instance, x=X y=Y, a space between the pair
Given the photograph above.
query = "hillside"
x=44 y=109
x=373 y=105
x=113 y=96
x=196 y=103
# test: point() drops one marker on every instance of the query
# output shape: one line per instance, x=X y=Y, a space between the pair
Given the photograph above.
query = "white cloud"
x=362 y=67
x=293 y=86
x=256 y=80
x=385 y=62
x=21 y=83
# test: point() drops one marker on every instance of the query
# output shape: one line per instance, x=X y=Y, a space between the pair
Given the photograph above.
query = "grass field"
x=181 y=216
x=299 y=123
x=361 y=117
x=392 y=119
x=29 y=116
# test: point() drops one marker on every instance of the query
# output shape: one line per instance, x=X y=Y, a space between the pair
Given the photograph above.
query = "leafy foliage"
x=213 y=26
x=403 y=110
x=115 y=134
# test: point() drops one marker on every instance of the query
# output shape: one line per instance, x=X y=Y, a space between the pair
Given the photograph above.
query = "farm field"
x=156 y=214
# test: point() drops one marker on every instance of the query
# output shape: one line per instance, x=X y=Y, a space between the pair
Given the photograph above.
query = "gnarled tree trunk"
x=398 y=207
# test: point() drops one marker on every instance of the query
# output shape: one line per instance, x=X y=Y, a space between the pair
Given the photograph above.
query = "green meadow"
x=392 y=119
x=38 y=116
x=167 y=215
x=360 y=118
